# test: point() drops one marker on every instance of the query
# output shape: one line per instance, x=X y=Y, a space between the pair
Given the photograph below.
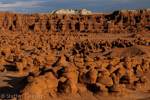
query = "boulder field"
x=75 y=56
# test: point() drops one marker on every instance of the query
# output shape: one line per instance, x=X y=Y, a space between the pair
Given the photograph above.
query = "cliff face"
x=116 y=22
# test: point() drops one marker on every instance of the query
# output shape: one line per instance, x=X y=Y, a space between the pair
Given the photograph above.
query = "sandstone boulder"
x=57 y=70
x=100 y=87
x=117 y=88
x=126 y=59
x=52 y=84
x=62 y=61
x=115 y=78
x=90 y=77
x=105 y=80
x=143 y=79
x=127 y=79
x=32 y=88
x=68 y=87
x=120 y=72
x=19 y=66
x=128 y=64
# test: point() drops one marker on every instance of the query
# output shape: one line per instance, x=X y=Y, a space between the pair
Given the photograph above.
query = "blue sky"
x=46 y=6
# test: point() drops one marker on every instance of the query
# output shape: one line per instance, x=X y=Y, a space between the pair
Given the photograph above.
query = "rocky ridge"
x=123 y=21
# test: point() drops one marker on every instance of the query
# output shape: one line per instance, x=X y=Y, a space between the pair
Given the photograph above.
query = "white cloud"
x=20 y=4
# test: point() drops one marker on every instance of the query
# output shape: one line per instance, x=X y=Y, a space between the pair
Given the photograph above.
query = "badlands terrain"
x=83 y=56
